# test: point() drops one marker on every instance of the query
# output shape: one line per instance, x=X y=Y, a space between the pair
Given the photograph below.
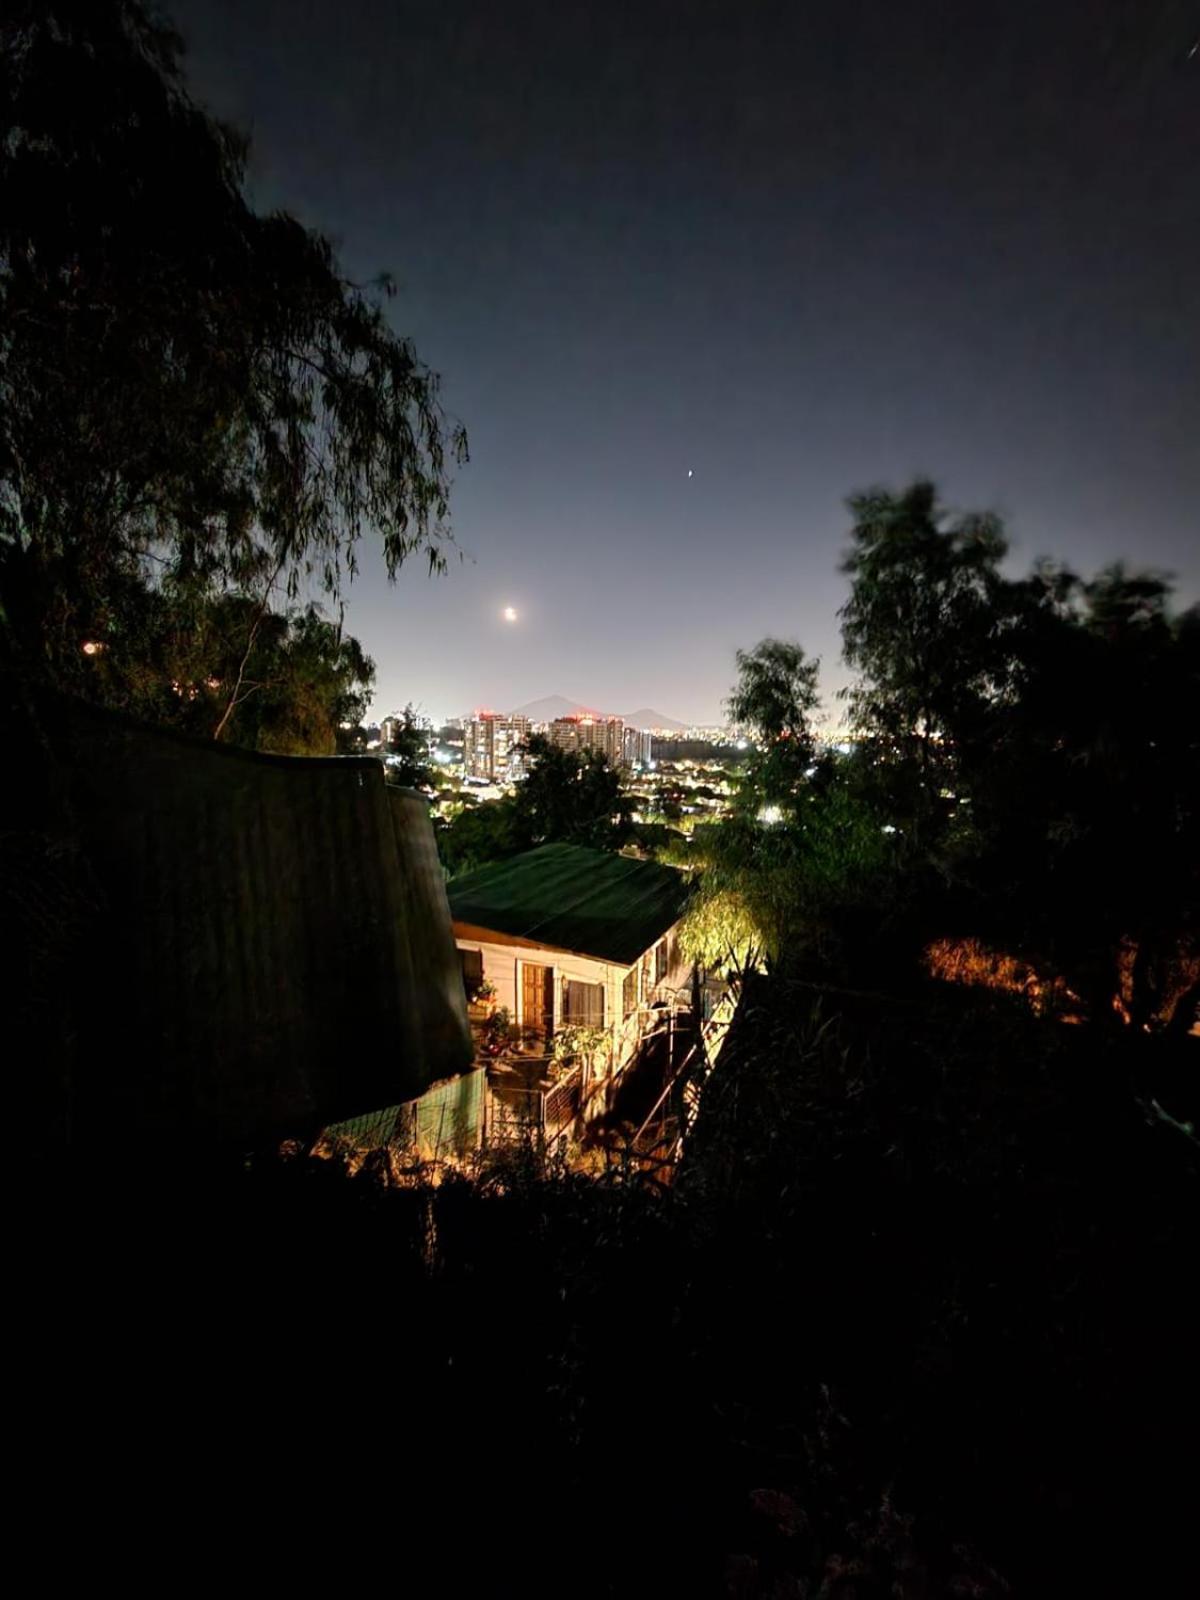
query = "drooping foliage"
x=192 y=393
x=277 y=681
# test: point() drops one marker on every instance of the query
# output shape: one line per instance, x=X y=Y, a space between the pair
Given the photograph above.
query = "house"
x=568 y=937
x=245 y=947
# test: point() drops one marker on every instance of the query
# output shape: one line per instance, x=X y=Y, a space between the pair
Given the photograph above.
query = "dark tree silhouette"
x=570 y=798
x=928 y=625
x=207 y=661
x=1086 y=802
x=189 y=390
x=1027 y=774
x=775 y=698
x=1037 y=741
x=409 y=748
x=564 y=798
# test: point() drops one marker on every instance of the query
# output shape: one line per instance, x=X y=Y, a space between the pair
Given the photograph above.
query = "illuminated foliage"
x=794 y=892
x=970 y=962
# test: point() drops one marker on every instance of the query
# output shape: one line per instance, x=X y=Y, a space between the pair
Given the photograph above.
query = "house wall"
x=502 y=963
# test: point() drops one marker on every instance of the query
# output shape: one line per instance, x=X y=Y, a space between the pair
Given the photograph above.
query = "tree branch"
x=259 y=614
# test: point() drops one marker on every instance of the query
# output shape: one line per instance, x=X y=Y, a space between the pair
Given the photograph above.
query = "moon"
x=689 y=472
x=509 y=613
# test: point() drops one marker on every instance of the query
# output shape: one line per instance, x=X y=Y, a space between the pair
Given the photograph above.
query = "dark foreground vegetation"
x=916 y=1319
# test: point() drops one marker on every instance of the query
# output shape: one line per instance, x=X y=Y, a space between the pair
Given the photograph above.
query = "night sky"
x=796 y=248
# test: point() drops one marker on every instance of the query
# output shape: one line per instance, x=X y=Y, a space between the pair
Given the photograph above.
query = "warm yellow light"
x=510 y=613
x=92 y=647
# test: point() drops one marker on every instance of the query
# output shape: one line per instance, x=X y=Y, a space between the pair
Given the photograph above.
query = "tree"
x=277 y=681
x=775 y=697
x=786 y=880
x=408 y=748
x=566 y=797
x=1036 y=742
x=816 y=890
x=190 y=391
x=571 y=798
x=304 y=681
x=929 y=625
x=1086 y=805
x=478 y=835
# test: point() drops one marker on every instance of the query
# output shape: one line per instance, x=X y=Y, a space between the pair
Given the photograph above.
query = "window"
x=472 y=971
x=660 y=961
x=583 y=1003
x=630 y=991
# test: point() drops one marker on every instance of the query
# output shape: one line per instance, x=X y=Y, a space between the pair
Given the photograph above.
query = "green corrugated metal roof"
x=564 y=896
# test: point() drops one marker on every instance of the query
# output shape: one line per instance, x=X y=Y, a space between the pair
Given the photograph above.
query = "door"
x=537 y=998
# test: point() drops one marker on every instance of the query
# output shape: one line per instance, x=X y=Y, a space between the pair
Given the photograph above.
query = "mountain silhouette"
x=556 y=705
x=648 y=721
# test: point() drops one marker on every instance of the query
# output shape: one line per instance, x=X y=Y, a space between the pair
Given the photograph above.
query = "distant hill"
x=648 y=720
x=555 y=705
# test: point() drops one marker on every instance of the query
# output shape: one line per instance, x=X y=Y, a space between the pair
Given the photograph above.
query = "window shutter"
x=472 y=971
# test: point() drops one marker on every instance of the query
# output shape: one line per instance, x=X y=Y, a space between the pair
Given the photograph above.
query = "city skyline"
x=689 y=290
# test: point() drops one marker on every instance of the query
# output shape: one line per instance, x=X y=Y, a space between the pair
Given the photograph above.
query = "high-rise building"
x=491 y=747
x=637 y=747
x=606 y=734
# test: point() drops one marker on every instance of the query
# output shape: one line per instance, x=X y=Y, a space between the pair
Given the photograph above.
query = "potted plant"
x=495 y=1033
x=481 y=999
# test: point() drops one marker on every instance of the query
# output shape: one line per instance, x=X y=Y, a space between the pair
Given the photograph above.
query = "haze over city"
x=690 y=286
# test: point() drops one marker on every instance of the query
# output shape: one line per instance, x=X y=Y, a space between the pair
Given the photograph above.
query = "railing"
x=517 y=1111
x=560 y=1105
x=679 y=1101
